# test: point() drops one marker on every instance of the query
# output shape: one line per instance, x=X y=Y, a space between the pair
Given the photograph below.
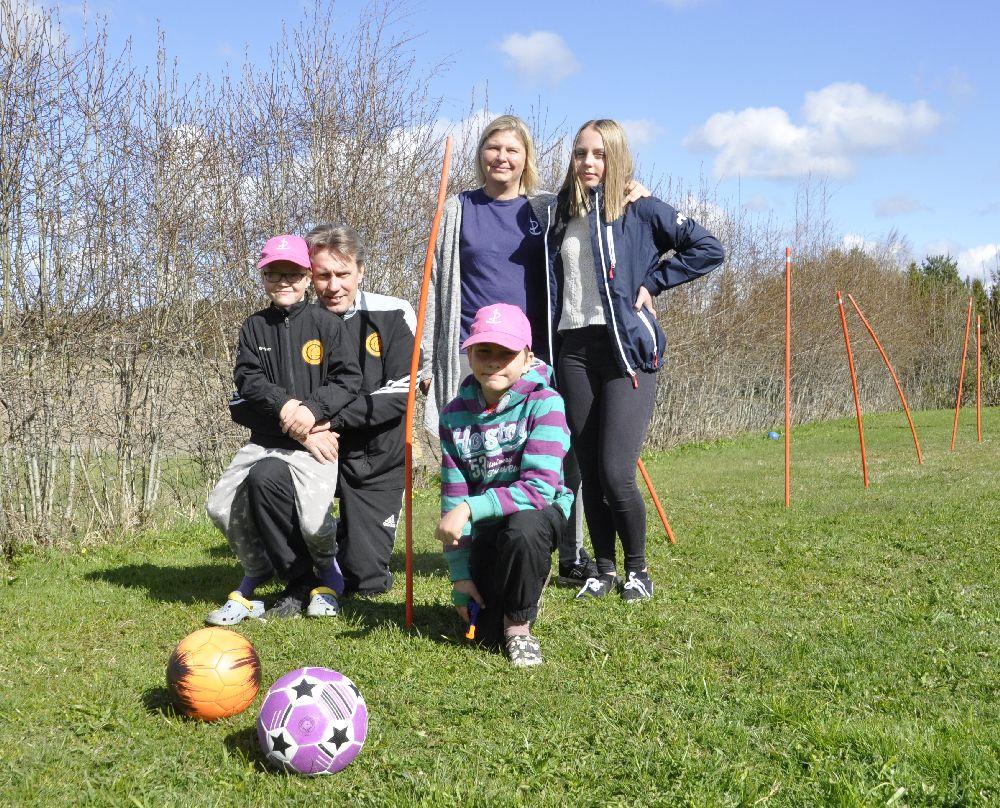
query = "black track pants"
x=608 y=417
x=509 y=562
x=366 y=531
x=271 y=498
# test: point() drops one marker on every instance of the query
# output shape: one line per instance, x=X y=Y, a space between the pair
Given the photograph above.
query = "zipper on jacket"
x=548 y=293
x=652 y=333
x=607 y=291
x=288 y=357
x=611 y=251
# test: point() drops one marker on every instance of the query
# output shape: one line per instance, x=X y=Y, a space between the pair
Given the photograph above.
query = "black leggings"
x=271 y=495
x=608 y=417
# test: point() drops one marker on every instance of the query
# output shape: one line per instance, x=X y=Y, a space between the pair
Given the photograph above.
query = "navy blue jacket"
x=627 y=255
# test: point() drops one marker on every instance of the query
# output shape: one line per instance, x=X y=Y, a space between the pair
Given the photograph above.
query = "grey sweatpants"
x=315 y=485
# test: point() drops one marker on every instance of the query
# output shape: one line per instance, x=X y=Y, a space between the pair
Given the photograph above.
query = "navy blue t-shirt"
x=502 y=260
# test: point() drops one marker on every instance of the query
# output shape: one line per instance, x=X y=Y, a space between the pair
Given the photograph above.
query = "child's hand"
x=300 y=423
x=449 y=529
x=323 y=426
x=466 y=587
x=286 y=412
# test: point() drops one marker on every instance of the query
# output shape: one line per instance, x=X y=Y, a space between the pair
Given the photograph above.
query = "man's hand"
x=466 y=587
x=324 y=446
x=300 y=422
x=449 y=529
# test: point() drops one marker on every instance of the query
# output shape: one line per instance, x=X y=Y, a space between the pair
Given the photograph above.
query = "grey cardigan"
x=442 y=322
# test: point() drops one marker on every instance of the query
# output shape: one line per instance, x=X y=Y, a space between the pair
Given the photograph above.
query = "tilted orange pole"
x=656 y=501
x=888 y=364
x=854 y=386
x=961 y=374
x=788 y=376
x=414 y=369
x=979 y=381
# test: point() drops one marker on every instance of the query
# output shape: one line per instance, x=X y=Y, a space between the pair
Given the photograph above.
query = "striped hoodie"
x=502 y=460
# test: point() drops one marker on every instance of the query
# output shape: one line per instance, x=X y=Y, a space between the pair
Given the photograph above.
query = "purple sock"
x=250 y=583
x=333 y=578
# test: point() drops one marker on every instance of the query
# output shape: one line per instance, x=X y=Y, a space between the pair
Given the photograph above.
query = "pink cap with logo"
x=285 y=248
x=501 y=324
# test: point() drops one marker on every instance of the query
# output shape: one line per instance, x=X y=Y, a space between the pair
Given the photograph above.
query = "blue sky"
x=897 y=103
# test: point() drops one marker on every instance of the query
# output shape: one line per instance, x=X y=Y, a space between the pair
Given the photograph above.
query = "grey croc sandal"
x=524 y=651
x=235 y=610
x=322 y=603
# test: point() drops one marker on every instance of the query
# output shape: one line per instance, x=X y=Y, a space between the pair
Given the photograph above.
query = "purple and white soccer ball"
x=313 y=721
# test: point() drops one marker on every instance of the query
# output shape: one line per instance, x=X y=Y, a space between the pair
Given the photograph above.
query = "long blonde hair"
x=618 y=170
x=511 y=123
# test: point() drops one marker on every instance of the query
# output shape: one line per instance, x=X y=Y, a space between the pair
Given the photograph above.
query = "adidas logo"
x=390 y=522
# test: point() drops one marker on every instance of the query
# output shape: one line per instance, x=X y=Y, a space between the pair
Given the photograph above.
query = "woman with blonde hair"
x=607 y=258
x=490 y=249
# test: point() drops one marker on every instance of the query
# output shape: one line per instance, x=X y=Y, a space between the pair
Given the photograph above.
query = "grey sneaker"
x=639 y=586
x=289 y=604
x=598 y=587
x=524 y=651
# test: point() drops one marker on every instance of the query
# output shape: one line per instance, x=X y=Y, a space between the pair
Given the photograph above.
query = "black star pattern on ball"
x=355 y=689
x=303 y=689
x=338 y=737
x=279 y=744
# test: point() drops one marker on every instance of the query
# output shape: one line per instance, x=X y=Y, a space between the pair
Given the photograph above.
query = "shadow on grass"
x=157 y=701
x=243 y=744
x=423 y=563
x=438 y=623
x=210 y=582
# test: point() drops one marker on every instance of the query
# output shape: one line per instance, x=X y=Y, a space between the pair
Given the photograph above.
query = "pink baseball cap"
x=501 y=324
x=285 y=248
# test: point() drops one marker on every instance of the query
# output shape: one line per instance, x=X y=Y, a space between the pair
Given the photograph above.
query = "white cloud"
x=897 y=205
x=640 y=131
x=709 y=215
x=854 y=241
x=979 y=262
x=540 y=56
x=840 y=122
x=757 y=203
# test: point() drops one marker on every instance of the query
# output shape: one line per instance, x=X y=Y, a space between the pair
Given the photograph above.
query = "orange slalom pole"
x=979 y=381
x=656 y=501
x=961 y=374
x=888 y=364
x=788 y=376
x=414 y=369
x=854 y=386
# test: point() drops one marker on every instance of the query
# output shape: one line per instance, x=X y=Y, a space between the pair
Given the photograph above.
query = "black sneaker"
x=598 y=587
x=290 y=603
x=639 y=586
x=576 y=574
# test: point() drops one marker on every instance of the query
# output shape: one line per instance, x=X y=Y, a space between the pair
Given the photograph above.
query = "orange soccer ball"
x=213 y=673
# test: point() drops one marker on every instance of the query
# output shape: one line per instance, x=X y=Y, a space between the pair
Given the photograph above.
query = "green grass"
x=843 y=652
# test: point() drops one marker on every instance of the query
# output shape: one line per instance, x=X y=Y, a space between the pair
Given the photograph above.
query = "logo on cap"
x=495 y=317
x=283 y=244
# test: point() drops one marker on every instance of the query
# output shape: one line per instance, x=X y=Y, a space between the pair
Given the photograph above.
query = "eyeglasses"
x=288 y=277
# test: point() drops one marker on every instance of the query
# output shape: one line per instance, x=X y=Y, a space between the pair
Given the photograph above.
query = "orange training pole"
x=414 y=369
x=888 y=364
x=788 y=376
x=979 y=381
x=656 y=501
x=854 y=386
x=961 y=374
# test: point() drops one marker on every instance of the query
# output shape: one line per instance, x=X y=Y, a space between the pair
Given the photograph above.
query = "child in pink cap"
x=295 y=365
x=503 y=499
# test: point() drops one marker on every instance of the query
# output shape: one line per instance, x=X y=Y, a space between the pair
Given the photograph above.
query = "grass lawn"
x=842 y=652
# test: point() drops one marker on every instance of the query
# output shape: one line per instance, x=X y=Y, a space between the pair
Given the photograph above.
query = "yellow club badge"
x=373 y=344
x=312 y=352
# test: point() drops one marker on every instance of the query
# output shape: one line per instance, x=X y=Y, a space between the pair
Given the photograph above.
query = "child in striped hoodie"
x=503 y=499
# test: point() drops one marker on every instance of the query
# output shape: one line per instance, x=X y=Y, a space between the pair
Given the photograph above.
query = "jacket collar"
x=533 y=379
